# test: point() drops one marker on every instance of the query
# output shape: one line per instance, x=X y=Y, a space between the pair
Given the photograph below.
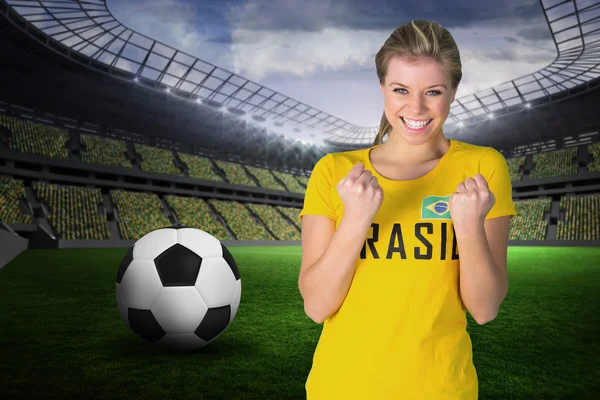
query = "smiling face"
x=415 y=104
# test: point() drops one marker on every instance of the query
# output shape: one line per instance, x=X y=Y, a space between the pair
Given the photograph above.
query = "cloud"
x=384 y=15
x=257 y=54
x=521 y=54
x=189 y=27
x=294 y=15
x=222 y=39
x=322 y=52
x=335 y=70
x=480 y=72
x=538 y=32
x=168 y=11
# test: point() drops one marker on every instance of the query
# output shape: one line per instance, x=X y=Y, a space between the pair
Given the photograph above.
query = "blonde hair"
x=414 y=40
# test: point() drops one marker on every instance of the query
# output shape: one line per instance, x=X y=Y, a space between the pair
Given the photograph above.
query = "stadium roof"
x=88 y=28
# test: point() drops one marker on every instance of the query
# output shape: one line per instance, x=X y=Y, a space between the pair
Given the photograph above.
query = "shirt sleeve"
x=494 y=169
x=318 y=195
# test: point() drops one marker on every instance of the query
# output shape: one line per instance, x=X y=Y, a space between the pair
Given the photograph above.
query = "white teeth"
x=415 y=125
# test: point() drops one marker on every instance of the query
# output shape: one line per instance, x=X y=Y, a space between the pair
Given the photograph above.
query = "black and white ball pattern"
x=178 y=288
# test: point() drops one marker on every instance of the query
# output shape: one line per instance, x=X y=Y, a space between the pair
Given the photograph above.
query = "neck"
x=397 y=149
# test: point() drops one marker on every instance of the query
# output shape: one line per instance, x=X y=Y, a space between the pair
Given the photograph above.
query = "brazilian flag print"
x=436 y=207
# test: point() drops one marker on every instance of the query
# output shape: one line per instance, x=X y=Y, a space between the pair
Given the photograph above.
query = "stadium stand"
x=74 y=210
x=292 y=214
x=303 y=180
x=529 y=223
x=276 y=223
x=199 y=167
x=156 y=160
x=581 y=218
x=291 y=182
x=195 y=213
x=100 y=150
x=515 y=168
x=554 y=163
x=239 y=219
x=265 y=178
x=139 y=211
x=36 y=138
x=12 y=192
x=594 y=152
x=235 y=173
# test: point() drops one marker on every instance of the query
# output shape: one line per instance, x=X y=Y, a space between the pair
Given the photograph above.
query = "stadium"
x=101 y=144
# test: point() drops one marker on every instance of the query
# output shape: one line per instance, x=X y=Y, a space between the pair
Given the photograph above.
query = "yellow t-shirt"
x=401 y=330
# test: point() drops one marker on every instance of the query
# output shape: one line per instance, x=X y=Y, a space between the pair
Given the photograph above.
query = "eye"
x=436 y=92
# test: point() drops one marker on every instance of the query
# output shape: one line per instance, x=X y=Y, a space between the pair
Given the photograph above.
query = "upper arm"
x=318 y=216
x=497 y=231
x=317 y=231
x=494 y=169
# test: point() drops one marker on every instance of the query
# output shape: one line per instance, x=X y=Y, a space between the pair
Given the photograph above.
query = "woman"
x=388 y=230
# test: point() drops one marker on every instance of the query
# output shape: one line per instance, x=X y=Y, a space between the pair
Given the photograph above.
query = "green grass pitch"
x=63 y=337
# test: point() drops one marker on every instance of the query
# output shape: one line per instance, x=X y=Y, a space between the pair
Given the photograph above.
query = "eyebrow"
x=428 y=87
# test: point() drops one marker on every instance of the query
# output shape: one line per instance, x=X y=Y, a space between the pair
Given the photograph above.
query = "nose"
x=416 y=105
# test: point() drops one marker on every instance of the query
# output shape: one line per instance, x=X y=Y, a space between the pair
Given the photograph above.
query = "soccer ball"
x=178 y=288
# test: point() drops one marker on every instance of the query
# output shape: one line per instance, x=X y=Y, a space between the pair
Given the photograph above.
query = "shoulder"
x=479 y=154
x=340 y=161
x=349 y=156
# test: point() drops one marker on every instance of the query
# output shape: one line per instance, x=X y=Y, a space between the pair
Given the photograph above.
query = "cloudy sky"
x=321 y=52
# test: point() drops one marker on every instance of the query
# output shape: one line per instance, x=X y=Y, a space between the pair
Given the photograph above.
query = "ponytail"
x=383 y=127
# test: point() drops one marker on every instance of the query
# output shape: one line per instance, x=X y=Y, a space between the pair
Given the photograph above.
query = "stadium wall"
x=8 y=251
x=11 y=245
x=111 y=243
x=98 y=244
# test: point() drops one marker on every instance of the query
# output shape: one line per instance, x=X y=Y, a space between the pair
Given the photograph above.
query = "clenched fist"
x=471 y=202
x=360 y=192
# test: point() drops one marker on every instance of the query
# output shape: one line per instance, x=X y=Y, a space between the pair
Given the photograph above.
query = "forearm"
x=324 y=284
x=483 y=285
